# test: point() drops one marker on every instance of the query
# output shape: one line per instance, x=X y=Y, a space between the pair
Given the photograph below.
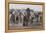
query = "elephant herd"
x=24 y=16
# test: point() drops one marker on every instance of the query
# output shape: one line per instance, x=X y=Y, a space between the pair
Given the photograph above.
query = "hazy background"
x=24 y=6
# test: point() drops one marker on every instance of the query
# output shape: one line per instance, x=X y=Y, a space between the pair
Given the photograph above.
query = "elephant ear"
x=28 y=9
